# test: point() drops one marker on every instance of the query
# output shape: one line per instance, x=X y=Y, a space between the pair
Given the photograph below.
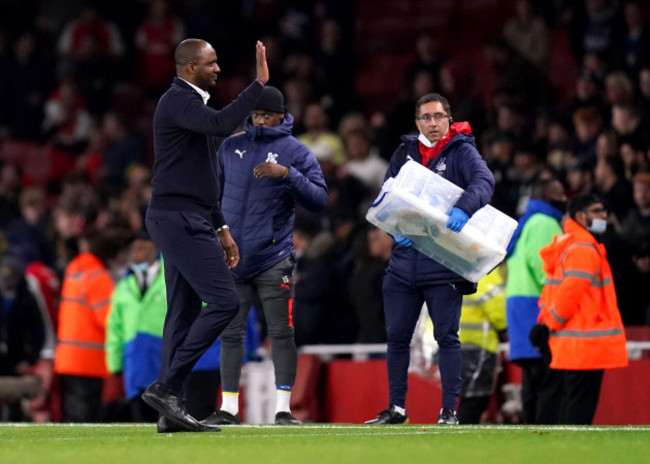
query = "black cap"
x=143 y=234
x=271 y=100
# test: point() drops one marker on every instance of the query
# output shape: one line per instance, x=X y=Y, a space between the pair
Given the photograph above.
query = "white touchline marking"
x=371 y=430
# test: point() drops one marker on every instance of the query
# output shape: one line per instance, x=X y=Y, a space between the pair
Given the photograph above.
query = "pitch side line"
x=428 y=428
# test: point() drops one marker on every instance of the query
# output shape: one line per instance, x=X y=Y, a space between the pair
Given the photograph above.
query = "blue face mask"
x=140 y=267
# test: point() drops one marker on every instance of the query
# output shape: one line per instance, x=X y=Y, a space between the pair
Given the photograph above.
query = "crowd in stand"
x=79 y=83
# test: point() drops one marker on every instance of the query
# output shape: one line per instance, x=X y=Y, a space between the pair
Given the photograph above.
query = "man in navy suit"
x=185 y=221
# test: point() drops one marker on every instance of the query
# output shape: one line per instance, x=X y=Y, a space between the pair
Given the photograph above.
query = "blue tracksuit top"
x=185 y=170
x=458 y=162
x=260 y=212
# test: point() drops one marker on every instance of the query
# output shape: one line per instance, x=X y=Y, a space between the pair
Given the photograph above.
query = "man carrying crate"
x=412 y=278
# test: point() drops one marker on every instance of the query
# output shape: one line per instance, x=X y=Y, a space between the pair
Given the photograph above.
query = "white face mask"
x=597 y=226
x=425 y=141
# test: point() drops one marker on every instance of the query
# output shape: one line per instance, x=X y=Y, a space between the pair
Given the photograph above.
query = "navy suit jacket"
x=185 y=175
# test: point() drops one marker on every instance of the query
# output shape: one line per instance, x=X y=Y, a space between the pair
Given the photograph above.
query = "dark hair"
x=616 y=164
x=636 y=143
x=106 y=244
x=432 y=97
x=187 y=51
x=581 y=202
x=541 y=186
x=587 y=115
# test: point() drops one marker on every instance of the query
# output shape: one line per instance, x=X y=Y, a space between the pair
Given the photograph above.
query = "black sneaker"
x=285 y=418
x=389 y=416
x=221 y=418
x=447 y=416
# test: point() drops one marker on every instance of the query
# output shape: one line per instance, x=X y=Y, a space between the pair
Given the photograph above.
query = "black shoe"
x=285 y=418
x=389 y=416
x=166 y=426
x=447 y=416
x=168 y=404
x=221 y=418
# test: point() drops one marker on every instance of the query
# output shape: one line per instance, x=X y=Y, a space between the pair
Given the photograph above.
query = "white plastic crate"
x=414 y=205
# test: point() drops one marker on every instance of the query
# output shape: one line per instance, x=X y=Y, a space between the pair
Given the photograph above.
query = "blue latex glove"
x=403 y=241
x=457 y=219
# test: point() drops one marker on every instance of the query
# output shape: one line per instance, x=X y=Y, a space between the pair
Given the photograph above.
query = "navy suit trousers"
x=402 y=306
x=195 y=272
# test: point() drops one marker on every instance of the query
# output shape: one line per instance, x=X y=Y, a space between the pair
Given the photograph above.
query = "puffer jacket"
x=260 y=212
x=458 y=162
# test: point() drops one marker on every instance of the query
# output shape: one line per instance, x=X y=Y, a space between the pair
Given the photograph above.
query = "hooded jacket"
x=578 y=303
x=526 y=278
x=260 y=212
x=459 y=162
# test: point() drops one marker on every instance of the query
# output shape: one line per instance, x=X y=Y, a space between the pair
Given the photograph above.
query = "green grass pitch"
x=331 y=444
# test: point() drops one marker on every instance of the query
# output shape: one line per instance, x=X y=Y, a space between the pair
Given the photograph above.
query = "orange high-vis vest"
x=578 y=303
x=85 y=303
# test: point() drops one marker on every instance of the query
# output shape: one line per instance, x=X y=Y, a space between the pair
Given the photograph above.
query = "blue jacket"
x=458 y=162
x=185 y=168
x=526 y=278
x=260 y=212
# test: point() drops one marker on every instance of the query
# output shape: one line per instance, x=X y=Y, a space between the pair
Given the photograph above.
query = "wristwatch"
x=223 y=227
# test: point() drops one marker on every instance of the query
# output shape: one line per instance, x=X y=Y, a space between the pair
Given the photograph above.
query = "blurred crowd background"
x=550 y=87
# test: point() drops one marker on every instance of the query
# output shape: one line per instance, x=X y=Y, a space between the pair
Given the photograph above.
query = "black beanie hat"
x=271 y=100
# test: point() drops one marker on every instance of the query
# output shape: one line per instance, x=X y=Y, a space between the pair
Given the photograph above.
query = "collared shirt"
x=147 y=276
x=204 y=95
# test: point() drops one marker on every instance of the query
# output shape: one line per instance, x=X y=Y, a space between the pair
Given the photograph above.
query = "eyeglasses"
x=265 y=116
x=437 y=117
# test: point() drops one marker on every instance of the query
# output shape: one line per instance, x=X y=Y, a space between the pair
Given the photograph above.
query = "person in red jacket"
x=578 y=306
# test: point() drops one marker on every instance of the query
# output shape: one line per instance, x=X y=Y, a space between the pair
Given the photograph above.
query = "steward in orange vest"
x=578 y=305
x=85 y=302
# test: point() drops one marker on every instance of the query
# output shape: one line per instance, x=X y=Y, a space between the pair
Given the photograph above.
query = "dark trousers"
x=539 y=384
x=402 y=307
x=479 y=370
x=200 y=398
x=81 y=398
x=195 y=272
x=201 y=393
x=471 y=409
x=141 y=411
x=573 y=393
x=273 y=289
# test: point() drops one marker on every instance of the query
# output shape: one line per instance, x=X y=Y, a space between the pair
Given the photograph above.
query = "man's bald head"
x=196 y=62
x=187 y=52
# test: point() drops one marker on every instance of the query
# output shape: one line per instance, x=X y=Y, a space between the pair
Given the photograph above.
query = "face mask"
x=425 y=141
x=597 y=226
x=140 y=267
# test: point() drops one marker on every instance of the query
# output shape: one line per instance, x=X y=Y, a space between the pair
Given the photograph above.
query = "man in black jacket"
x=185 y=221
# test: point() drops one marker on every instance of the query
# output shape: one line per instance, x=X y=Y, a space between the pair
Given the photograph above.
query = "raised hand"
x=261 y=66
